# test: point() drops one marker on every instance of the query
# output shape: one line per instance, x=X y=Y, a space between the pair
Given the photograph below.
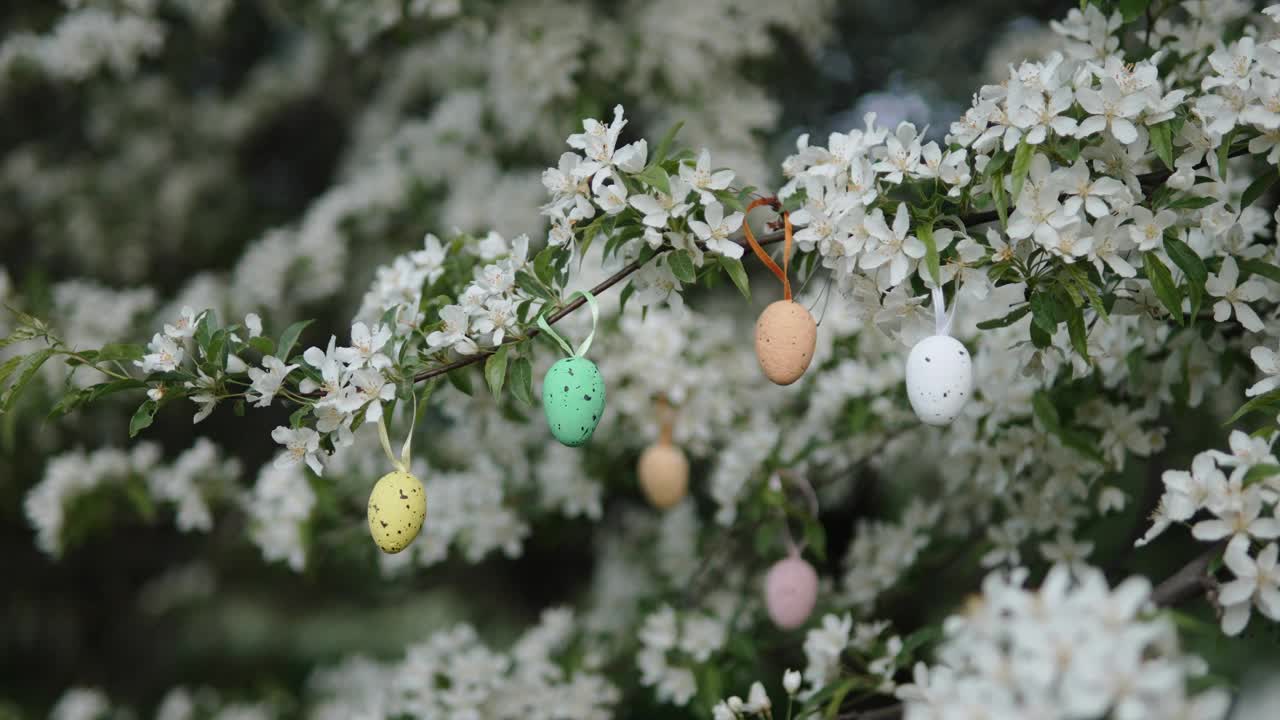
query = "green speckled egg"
x=397 y=507
x=573 y=400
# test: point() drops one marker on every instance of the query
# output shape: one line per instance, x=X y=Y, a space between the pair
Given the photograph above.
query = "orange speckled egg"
x=785 y=337
x=664 y=474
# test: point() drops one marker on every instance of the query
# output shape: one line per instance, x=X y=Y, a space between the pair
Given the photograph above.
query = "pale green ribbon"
x=401 y=464
x=586 y=344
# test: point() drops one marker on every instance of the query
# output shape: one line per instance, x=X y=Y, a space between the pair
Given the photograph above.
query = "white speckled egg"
x=664 y=474
x=397 y=507
x=790 y=592
x=785 y=338
x=939 y=379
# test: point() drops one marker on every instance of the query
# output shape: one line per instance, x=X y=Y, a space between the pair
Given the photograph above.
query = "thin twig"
x=1190 y=581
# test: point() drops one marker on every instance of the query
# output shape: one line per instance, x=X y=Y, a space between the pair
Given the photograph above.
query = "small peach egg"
x=785 y=338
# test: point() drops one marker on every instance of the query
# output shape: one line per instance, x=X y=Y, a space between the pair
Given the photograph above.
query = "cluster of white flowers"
x=1071 y=648
x=672 y=645
x=81 y=703
x=83 y=41
x=826 y=646
x=757 y=702
x=1223 y=499
x=454 y=674
x=188 y=483
x=881 y=552
x=279 y=508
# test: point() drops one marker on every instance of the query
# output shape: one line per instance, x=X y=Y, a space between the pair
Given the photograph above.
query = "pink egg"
x=790 y=592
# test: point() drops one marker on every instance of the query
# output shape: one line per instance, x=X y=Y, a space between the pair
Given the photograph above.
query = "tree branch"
x=552 y=319
x=978 y=218
x=1190 y=581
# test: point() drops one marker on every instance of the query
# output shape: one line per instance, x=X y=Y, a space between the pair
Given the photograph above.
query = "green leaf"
x=1021 y=165
x=1260 y=267
x=205 y=328
x=1192 y=266
x=1039 y=338
x=461 y=379
x=1261 y=472
x=30 y=365
x=681 y=265
x=1259 y=186
x=8 y=366
x=656 y=178
x=626 y=294
x=664 y=145
x=1043 y=313
x=1014 y=316
x=737 y=274
x=816 y=538
x=1131 y=10
x=495 y=372
x=289 y=337
x=142 y=419
x=1162 y=282
x=1187 y=260
x=1044 y=409
x=1223 y=151
x=925 y=233
x=1267 y=403
x=543 y=267
x=1162 y=141
x=522 y=380
x=1190 y=202
x=999 y=200
x=121 y=352
x=263 y=344
x=837 y=698
x=1079 y=335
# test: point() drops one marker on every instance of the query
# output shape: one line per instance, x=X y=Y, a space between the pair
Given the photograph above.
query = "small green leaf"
x=142 y=419
x=681 y=265
x=1131 y=10
x=1079 y=335
x=522 y=380
x=1162 y=141
x=1259 y=186
x=461 y=379
x=121 y=352
x=664 y=145
x=925 y=233
x=30 y=365
x=1162 y=282
x=289 y=337
x=543 y=267
x=1046 y=412
x=1014 y=316
x=1261 y=472
x=1021 y=165
x=737 y=274
x=1224 y=150
x=1192 y=266
x=1267 y=403
x=495 y=372
x=263 y=344
x=655 y=177
x=626 y=294
x=8 y=366
x=1190 y=202
x=999 y=200
x=1042 y=312
x=1260 y=267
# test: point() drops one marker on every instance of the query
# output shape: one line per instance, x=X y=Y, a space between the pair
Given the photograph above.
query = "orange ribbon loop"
x=780 y=272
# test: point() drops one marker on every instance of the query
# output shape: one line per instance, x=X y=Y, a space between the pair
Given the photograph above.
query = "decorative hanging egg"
x=573 y=400
x=397 y=507
x=790 y=592
x=785 y=338
x=664 y=474
x=939 y=379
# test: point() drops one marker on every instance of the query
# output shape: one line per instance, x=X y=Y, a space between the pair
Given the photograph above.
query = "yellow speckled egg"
x=664 y=474
x=785 y=337
x=397 y=507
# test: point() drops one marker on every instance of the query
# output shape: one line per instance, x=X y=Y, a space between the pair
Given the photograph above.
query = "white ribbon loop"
x=941 y=318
